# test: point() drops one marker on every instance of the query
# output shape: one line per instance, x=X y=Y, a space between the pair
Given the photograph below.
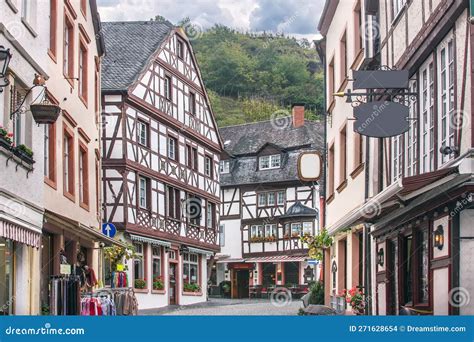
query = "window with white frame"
x=262 y=200
x=221 y=235
x=427 y=117
x=271 y=230
x=208 y=166
x=142 y=192
x=308 y=228
x=172 y=148
x=142 y=133
x=156 y=262
x=210 y=215
x=397 y=6
x=224 y=166
x=446 y=100
x=271 y=199
x=138 y=261
x=270 y=162
x=411 y=137
x=256 y=231
x=397 y=157
x=281 y=198
x=191 y=268
x=296 y=229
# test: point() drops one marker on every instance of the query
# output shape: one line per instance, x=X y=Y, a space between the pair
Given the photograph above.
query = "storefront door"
x=172 y=284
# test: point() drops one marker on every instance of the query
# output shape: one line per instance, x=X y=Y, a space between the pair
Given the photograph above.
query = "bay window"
x=256 y=231
x=270 y=230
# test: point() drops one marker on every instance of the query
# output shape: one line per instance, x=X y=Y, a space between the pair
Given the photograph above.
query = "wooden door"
x=172 y=284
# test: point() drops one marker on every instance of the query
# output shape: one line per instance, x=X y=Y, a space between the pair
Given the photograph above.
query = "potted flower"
x=45 y=112
x=158 y=283
x=24 y=153
x=355 y=298
x=5 y=138
x=140 y=283
x=191 y=287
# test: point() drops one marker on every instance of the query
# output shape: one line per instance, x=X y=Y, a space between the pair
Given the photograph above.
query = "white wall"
x=466 y=252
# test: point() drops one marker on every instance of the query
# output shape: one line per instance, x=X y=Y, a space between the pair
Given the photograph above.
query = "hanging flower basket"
x=24 y=153
x=45 y=113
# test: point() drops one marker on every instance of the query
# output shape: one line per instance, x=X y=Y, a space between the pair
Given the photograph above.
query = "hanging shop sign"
x=381 y=119
x=383 y=110
x=310 y=166
x=380 y=79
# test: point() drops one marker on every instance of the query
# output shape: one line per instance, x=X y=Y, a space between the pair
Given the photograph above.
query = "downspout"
x=321 y=50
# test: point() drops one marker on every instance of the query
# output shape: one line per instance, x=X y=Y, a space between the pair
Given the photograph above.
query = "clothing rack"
x=65 y=295
x=123 y=298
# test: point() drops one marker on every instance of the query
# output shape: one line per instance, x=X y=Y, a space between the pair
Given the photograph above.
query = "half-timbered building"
x=161 y=153
x=265 y=207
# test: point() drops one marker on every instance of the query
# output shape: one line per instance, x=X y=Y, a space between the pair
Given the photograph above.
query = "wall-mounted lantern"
x=439 y=237
x=5 y=57
x=381 y=257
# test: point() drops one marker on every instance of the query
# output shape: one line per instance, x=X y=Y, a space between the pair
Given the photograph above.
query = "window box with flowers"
x=6 y=138
x=191 y=287
x=140 y=284
x=25 y=153
x=158 y=284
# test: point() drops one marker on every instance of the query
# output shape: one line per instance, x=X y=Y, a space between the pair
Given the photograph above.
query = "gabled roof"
x=129 y=46
x=248 y=139
x=300 y=210
x=245 y=141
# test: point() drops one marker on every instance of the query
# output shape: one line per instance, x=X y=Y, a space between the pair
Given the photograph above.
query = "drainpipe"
x=321 y=50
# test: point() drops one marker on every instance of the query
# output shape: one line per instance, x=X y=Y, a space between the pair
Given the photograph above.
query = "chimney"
x=298 y=115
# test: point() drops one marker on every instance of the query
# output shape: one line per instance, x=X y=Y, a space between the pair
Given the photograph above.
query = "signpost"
x=109 y=230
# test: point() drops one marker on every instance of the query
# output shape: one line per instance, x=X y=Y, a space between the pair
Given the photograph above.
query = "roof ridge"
x=258 y=122
x=139 y=22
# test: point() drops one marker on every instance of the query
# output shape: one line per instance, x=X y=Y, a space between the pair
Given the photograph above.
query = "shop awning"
x=199 y=251
x=20 y=234
x=279 y=258
x=78 y=229
x=151 y=241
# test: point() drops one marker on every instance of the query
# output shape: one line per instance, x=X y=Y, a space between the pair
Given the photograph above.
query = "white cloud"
x=296 y=18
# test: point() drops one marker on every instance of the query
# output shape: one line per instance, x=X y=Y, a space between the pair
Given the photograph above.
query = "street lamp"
x=5 y=57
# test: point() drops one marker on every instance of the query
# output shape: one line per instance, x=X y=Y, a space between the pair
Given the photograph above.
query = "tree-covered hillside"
x=251 y=76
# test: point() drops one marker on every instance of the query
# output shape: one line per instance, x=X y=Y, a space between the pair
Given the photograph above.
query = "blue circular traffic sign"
x=108 y=229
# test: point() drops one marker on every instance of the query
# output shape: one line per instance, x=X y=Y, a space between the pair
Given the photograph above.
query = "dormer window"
x=224 y=166
x=270 y=162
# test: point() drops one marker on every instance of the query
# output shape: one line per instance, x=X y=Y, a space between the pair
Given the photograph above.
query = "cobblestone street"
x=234 y=307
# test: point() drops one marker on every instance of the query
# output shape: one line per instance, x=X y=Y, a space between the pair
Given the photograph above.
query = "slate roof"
x=129 y=46
x=300 y=210
x=243 y=142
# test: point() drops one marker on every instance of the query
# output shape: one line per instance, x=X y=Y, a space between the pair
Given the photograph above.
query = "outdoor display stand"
x=110 y=302
x=65 y=295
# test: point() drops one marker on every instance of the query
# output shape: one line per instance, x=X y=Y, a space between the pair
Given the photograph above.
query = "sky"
x=297 y=18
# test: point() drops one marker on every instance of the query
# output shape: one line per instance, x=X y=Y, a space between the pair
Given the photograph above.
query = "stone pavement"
x=230 y=307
